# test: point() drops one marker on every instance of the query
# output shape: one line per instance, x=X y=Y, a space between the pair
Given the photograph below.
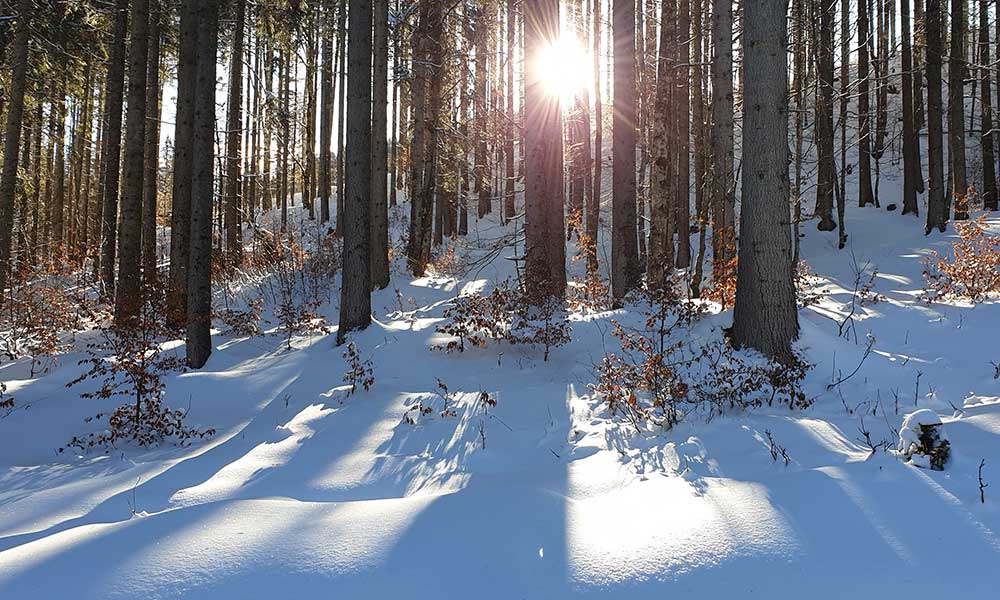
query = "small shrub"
x=972 y=271
x=722 y=287
x=360 y=372
x=644 y=381
x=657 y=377
x=41 y=307
x=592 y=293
x=420 y=409
x=127 y=362
x=508 y=313
x=805 y=282
x=245 y=321
x=727 y=379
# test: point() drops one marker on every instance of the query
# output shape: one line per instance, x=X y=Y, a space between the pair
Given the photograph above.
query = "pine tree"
x=150 y=177
x=380 y=156
x=113 y=96
x=12 y=138
x=544 y=261
x=956 y=110
x=765 y=317
x=986 y=137
x=722 y=141
x=180 y=215
x=824 y=119
x=234 y=119
x=199 y=307
x=625 y=268
x=355 y=292
x=937 y=206
x=911 y=143
x=865 y=196
x=128 y=294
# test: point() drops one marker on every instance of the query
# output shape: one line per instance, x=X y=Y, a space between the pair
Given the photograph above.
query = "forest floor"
x=306 y=491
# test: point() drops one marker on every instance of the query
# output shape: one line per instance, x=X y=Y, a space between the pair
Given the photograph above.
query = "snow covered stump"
x=922 y=440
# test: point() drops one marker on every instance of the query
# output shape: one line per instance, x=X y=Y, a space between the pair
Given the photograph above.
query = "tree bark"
x=911 y=143
x=481 y=169
x=824 y=119
x=660 y=262
x=765 y=317
x=594 y=209
x=152 y=147
x=326 y=112
x=986 y=137
x=355 y=296
x=956 y=111
x=625 y=269
x=723 y=184
x=128 y=294
x=180 y=216
x=12 y=139
x=683 y=111
x=380 y=149
x=545 y=254
x=937 y=206
x=865 y=196
x=234 y=119
x=199 y=313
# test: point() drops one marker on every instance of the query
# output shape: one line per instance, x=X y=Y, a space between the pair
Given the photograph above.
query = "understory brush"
x=658 y=376
x=972 y=270
x=42 y=310
x=509 y=313
x=280 y=273
x=128 y=362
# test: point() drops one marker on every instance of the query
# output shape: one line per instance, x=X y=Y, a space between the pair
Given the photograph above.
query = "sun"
x=565 y=68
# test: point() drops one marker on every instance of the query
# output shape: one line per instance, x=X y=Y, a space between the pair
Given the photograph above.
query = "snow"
x=306 y=491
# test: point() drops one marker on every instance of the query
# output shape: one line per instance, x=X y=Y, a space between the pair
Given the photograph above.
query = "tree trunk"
x=379 y=148
x=355 y=296
x=59 y=173
x=12 y=139
x=510 y=176
x=341 y=123
x=723 y=184
x=427 y=62
x=625 y=270
x=700 y=127
x=594 y=210
x=199 y=315
x=937 y=207
x=919 y=43
x=481 y=168
x=911 y=143
x=986 y=137
x=128 y=294
x=956 y=111
x=660 y=262
x=180 y=216
x=152 y=148
x=326 y=113
x=765 y=317
x=234 y=119
x=114 y=91
x=545 y=254
x=865 y=196
x=824 y=119
x=682 y=107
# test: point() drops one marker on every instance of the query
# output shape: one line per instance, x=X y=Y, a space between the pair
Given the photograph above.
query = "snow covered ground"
x=308 y=492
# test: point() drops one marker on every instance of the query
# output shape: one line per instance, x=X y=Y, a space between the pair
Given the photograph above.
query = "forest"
x=499 y=298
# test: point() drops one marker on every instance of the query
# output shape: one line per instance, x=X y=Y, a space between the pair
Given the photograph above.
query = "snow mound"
x=923 y=441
